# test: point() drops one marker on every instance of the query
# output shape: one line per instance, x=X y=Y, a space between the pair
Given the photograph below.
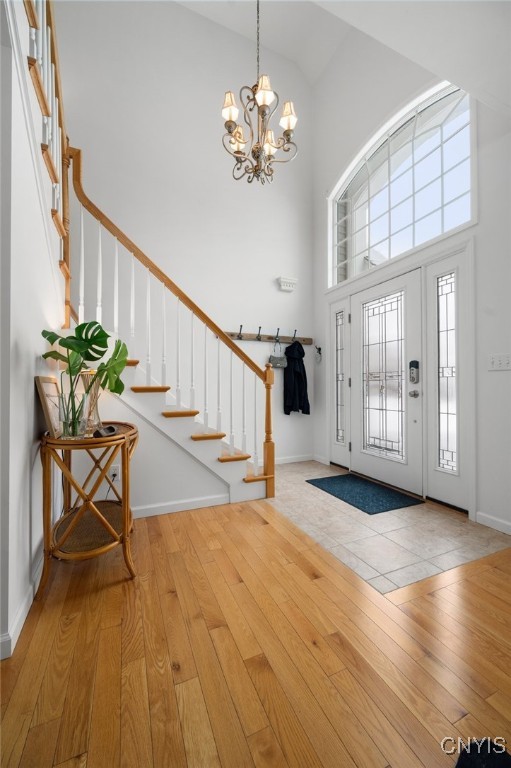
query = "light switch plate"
x=500 y=361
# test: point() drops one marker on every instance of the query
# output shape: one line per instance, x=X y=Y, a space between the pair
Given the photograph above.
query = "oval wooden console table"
x=88 y=527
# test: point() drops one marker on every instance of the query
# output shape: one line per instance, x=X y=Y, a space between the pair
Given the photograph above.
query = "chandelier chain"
x=257 y=155
x=257 y=41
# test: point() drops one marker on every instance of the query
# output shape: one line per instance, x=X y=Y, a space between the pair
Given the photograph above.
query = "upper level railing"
x=43 y=63
x=229 y=384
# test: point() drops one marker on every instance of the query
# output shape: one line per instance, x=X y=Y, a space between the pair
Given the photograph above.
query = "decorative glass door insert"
x=383 y=376
x=340 y=434
x=387 y=382
x=447 y=416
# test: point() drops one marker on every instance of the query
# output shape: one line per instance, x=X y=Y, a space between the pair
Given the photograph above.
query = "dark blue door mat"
x=484 y=754
x=364 y=494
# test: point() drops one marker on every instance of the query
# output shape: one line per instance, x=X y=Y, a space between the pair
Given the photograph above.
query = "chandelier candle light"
x=256 y=155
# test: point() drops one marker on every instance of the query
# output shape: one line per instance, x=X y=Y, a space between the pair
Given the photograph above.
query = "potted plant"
x=88 y=344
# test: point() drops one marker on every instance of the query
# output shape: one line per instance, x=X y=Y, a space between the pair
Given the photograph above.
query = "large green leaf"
x=109 y=372
x=54 y=355
x=75 y=364
x=95 y=337
x=51 y=336
x=90 y=340
x=89 y=344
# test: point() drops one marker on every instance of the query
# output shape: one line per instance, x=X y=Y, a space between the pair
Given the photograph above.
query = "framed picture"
x=48 y=390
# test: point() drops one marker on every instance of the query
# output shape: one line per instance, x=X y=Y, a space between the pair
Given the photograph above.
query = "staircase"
x=185 y=428
x=187 y=379
x=207 y=397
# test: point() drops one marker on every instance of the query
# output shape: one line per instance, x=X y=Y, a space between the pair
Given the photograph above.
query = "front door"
x=386 y=382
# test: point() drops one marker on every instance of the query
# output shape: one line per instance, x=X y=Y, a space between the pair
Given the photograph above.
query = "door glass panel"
x=340 y=433
x=383 y=377
x=447 y=410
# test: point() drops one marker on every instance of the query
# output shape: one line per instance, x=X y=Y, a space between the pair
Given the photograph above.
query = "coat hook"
x=258 y=337
x=318 y=354
x=294 y=335
x=239 y=336
x=277 y=339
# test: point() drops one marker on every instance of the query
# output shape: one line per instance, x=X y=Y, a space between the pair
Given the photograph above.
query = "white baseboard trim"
x=181 y=505
x=9 y=639
x=321 y=459
x=494 y=522
x=293 y=459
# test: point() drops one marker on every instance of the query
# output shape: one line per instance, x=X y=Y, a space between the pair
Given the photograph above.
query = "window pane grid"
x=394 y=209
x=410 y=197
x=447 y=395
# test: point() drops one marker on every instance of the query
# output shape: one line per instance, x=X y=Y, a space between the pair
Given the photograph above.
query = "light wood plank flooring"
x=242 y=642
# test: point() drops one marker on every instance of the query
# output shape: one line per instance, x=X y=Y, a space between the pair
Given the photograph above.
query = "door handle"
x=413 y=393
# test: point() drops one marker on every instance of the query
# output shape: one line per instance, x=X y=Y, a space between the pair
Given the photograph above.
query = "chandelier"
x=256 y=154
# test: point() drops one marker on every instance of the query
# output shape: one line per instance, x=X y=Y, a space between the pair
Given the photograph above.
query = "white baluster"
x=55 y=194
x=256 y=459
x=47 y=86
x=32 y=44
x=99 y=290
x=58 y=164
x=148 y=330
x=47 y=61
x=192 y=363
x=243 y=413
x=178 y=356
x=116 y=289
x=81 y=299
x=56 y=135
x=218 y=389
x=54 y=124
x=206 y=415
x=132 y=298
x=163 y=336
x=231 y=418
x=50 y=96
x=41 y=14
x=39 y=35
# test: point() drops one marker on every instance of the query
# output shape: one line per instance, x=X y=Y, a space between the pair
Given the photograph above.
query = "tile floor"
x=390 y=549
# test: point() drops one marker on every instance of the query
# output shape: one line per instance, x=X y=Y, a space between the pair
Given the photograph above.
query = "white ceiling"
x=464 y=41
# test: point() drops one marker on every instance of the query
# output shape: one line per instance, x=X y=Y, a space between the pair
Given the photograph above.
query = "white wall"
x=31 y=248
x=493 y=321
x=464 y=42
x=363 y=102
x=144 y=105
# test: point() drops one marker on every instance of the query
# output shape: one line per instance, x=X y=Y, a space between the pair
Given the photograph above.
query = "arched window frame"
x=377 y=141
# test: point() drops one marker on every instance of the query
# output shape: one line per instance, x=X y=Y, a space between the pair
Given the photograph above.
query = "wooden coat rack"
x=273 y=339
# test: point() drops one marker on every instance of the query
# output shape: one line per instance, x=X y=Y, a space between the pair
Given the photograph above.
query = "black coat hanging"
x=295 y=380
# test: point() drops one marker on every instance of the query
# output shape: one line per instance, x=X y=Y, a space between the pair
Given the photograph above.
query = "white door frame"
x=457 y=245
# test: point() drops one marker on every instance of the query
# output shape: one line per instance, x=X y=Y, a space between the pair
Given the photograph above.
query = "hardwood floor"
x=243 y=643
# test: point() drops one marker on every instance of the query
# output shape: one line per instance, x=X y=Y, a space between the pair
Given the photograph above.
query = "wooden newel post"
x=269 y=445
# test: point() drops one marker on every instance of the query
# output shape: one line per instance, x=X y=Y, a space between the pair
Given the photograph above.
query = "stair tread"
x=208 y=436
x=149 y=389
x=234 y=457
x=178 y=414
x=257 y=478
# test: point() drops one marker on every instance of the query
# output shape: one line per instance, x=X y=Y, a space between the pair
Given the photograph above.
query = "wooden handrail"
x=76 y=156
x=58 y=83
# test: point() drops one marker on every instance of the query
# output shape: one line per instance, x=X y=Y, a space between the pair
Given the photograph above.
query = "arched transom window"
x=412 y=186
